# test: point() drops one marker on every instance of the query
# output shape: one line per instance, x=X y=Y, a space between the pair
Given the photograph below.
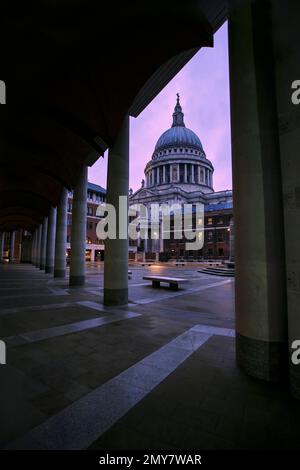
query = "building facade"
x=179 y=172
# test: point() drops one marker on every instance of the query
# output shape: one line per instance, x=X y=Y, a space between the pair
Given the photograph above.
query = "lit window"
x=209 y=221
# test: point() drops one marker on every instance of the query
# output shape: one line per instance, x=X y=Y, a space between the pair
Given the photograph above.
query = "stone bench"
x=172 y=281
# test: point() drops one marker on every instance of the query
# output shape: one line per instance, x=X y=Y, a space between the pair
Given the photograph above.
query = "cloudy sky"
x=203 y=85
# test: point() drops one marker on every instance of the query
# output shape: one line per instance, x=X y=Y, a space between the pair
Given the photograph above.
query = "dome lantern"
x=178 y=114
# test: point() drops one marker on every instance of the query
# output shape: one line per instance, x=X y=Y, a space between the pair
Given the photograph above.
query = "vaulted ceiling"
x=73 y=69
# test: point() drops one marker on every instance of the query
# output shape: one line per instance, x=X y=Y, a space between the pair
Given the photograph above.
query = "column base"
x=266 y=360
x=77 y=280
x=41 y=267
x=295 y=380
x=49 y=269
x=115 y=296
x=59 y=273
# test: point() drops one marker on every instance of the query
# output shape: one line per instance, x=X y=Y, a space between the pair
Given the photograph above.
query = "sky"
x=203 y=85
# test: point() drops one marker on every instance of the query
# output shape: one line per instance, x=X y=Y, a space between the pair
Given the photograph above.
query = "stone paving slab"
x=204 y=401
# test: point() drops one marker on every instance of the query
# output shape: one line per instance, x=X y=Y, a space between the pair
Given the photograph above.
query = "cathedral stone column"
x=50 y=248
x=164 y=173
x=161 y=235
x=78 y=232
x=11 y=255
x=185 y=173
x=171 y=173
x=61 y=236
x=157 y=175
x=43 y=243
x=198 y=173
x=116 y=251
x=192 y=173
x=261 y=330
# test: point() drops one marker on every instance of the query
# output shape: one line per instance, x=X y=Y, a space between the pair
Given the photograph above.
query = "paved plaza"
x=157 y=374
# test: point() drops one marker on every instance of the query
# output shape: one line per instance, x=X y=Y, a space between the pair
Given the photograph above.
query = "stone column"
x=161 y=235
x=285 y=18
x=199 y=178
x=11 y=255
x=171 y=173
x=33 y=238
x=116 y=251
x=192 y=173
x=157 y=175
x=61 y=236
x=2 y=237
x=50 y=248
x=261 y=330
x=78 y=232
x=231 y=240
x=185 y=173
x=38 y=246
x=43 y=243
x=164 y=173
x=36 y=242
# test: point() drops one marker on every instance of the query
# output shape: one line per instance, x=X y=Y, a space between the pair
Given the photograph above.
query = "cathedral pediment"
x=143 y=193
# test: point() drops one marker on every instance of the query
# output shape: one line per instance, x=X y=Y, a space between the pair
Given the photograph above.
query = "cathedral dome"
x=178 y=136
x=179 y=158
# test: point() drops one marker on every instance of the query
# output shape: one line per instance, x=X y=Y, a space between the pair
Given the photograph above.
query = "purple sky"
x=203 y=85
